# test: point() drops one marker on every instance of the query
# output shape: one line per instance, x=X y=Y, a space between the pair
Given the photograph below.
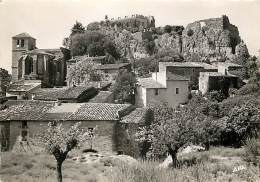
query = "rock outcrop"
x=209 y=40
x=210 y=37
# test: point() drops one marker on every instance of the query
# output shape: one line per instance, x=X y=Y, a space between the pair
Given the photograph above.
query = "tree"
x=174 y=129
x=241 y=122
x=167 y=29
x=94 y=44
x=82 y=72
x=124 y=87
x=5 y=79
x=59 y=142
x=77 y=28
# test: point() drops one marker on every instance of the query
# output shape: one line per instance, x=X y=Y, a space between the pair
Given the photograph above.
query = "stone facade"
x=21 y=43
x=22 y=120
x=162 y=88
x=29 y=63
x=209 y=81
x=103 y=141
x=190 y=70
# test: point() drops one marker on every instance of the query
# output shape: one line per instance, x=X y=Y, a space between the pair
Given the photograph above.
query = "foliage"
x=248 y=89
x=252 y=150
x=149 y=46
x=145 y=66
x=241 y=121
x=167 y=29
x=5 y=79
x=124 y=87
x=215 y=96
x=82 y=72
x=174 y=129
x=77 y=28
x=59 y=142
x=94 y=44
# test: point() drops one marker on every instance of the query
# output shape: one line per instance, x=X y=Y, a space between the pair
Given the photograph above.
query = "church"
x=30 y=63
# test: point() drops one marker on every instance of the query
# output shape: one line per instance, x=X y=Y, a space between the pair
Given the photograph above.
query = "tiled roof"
x=112 y=66
x=181 y=64
x=207 y=66
x=23 y=35
x=101 y=97
x=99 y=111
x=229 y=64
x=73 y=92
x=85 y=58
x=50 y=52
x=215 y=74
x=98 y=84
x=149 y=83
x=25 y=110
x=61 y=112
x=175 y=77
x=136 y=116
x=22 y=86
x=49 y=94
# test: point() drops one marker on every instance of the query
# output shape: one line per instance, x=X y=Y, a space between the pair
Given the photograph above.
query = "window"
x=177 y=90
x=156 y=91
x=24 y=124
x=22 y=43
x=17 y=43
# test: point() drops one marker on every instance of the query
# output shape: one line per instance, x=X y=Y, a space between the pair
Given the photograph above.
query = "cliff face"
x=210 y=38
x=205 y=40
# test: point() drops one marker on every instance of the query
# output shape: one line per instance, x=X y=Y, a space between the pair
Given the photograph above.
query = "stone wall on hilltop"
x=210 y=37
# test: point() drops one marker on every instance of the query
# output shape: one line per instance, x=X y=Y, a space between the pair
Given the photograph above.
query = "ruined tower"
x=21 y=43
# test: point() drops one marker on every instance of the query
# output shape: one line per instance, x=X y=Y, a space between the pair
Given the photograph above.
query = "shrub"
x=252 y=150
x=190 y=32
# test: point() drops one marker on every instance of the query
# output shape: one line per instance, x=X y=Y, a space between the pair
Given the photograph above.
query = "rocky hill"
x=208 y=40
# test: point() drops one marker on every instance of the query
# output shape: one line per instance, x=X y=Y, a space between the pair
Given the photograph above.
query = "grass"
x=217 y=164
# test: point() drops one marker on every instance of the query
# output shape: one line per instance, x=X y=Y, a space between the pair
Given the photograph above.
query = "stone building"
x=23 y=89
x=209 y=81
x=21 y=43
x=66 y=94
x=111 y=70
x=24 y=119
x=190 y=70
x=30 y=63
x=229 y=68
x=162 y=88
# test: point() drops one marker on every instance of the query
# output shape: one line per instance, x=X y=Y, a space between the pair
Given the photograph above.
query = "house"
x=30 y=63
x=209 y=81
x=25 y=119
x=103 y=97
x=48 y=94
x=229 y=68
x=128 y=127
x=23 y=89
x=189 y=70
x=162 y=87
x=112 y=70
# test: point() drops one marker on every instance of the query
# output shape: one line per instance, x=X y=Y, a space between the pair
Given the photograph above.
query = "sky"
x=49 y=21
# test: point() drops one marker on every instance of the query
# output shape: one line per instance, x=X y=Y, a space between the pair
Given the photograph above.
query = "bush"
x=190 y=32
x=252 y=150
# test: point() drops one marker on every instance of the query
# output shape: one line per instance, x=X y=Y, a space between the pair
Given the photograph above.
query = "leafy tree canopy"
x=124 y=87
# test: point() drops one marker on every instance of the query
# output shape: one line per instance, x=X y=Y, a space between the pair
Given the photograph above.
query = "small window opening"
x=177 y=90
x=24 y=124
x=22 y=43
x=156 y=91
x=17 y=43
